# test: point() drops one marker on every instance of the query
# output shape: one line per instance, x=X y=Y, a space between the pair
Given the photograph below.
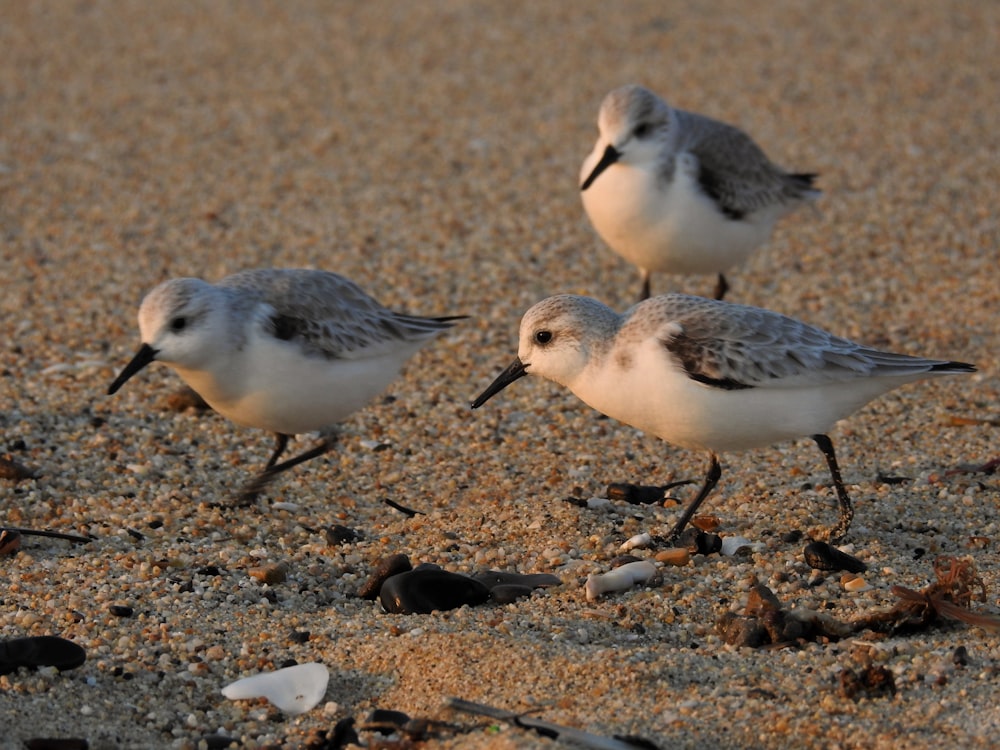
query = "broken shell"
x=852 y=582
x=639 y=541
x=294 y=690
x=822 y=556
x=619 y=579
x=733 y=545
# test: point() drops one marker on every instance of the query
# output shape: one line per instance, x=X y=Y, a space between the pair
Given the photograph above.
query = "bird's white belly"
x=672 y=228
x=665 y=402
x=275 y=387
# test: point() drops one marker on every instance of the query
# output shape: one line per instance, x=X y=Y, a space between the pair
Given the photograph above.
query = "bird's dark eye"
x=642 y=130
x=178 y=324
x=543 y=337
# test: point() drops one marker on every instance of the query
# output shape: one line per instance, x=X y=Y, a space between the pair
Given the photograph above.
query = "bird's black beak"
x=611 y=155
x=516 y=371
x=143 y=357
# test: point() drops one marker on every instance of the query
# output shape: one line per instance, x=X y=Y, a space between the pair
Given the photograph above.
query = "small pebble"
x=678 y=556
x=271 y=573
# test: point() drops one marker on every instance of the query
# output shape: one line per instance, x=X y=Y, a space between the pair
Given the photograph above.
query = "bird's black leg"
x=846 y=508
x=721 y=287
x=258 y=483
x=644 y=291
x=711 y=479
x=280 y=443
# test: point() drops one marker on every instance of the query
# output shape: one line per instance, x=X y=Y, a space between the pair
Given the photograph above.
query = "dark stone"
x=121 y=610
x=40 y=651
x=425 y=590
x=338 y=534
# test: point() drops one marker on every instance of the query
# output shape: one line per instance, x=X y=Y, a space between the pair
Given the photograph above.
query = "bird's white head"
x=561 y=335
x=183 y=321
x=636 y=127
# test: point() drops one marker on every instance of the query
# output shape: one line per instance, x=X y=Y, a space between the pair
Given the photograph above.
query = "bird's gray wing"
x=328 y=314
x=735 y=172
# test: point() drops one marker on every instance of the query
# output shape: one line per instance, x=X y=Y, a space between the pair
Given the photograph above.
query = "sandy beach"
x=430 y=152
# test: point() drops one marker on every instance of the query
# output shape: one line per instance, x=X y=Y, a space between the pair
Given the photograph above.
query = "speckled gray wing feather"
x=328 y=314
x=737 y=346
x=735 y=172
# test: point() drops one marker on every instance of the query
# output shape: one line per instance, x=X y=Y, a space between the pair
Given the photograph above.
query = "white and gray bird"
x=710 y=375
x=676 y=192
x=290 y=351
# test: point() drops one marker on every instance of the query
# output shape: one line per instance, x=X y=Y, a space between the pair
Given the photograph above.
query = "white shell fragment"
x=639 y=541
x=294 y=689
x=619 y=579
x=731 y=545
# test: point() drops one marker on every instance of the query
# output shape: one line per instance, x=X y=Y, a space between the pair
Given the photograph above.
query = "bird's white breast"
x=668 y=226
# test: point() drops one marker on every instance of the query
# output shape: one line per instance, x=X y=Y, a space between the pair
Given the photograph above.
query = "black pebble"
x=120 y=610
x=40 y=651
x=424 y=590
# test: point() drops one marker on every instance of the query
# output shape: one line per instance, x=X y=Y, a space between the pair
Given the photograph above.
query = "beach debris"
x=338 y=534
x=619 y=579
x=48 y=534
x=823 y=556
x=40 y=651
x=764 y=622
x=11 y=469
x=294 y=689
x=342 y=735
x=872 y=681
x=402 y=508
x=639 y=494
x=699 y=542
x=957 y=586
x=10 y=541
x=558 y=732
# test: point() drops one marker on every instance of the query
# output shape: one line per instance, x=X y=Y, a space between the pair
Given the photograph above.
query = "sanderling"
x=677 y=192
x=710 y=375
x=286 y=350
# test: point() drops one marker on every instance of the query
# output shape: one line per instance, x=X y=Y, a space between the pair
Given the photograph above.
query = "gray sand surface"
x=430 y=152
